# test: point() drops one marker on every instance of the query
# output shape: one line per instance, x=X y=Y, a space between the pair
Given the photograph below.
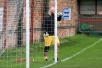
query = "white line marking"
x=49 y=65
x=81 y=50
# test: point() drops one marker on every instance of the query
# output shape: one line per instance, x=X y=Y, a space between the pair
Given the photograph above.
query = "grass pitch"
x=89 y=58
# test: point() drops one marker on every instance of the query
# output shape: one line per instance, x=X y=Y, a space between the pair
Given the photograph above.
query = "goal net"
x=25 y=25
x=12 y=34
x=15 y=49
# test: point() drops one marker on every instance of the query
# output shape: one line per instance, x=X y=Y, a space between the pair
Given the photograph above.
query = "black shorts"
x=46 y=49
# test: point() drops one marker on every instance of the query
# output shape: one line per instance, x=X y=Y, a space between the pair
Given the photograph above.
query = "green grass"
x=90 y=58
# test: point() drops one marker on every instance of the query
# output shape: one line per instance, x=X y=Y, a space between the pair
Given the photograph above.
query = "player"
x=48 y=29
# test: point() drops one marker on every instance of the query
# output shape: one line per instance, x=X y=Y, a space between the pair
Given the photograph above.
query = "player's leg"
x=46 y=49
x=47 y=46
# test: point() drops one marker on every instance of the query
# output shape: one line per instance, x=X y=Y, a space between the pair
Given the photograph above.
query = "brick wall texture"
x=62 y=32
x=38 y=10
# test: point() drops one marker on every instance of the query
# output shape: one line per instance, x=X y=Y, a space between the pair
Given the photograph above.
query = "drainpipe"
x=32 y=22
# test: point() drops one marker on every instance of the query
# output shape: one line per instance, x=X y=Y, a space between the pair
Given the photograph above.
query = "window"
x=90 y=6
x=99 y=6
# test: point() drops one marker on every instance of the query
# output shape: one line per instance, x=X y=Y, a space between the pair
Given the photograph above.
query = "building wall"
x=37 y=19
x=70 y=24
x=38 y=10
x=1 y=35
x=11 y=24
x=65 y=28
x=9 y=33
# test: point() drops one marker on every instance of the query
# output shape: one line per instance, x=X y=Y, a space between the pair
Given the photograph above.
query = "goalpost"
x=16 y=49
x=55 y=44
x=27 y=33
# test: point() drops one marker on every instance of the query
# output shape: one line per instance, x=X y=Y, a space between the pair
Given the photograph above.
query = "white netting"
x=13 y=31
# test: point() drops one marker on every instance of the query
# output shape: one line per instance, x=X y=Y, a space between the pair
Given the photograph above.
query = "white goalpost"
x=55 y=43
x=27 y=33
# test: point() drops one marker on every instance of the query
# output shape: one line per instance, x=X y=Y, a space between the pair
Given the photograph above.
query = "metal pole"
x=27 y=33
x=55 y=46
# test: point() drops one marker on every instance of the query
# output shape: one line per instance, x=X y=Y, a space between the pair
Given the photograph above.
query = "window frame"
x=96 y=8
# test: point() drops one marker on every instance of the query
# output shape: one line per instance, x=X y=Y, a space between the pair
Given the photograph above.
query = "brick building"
x=14 y=25
x=65 y=28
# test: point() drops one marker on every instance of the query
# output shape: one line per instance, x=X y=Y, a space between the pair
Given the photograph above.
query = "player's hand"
x=46 y=34
x=59 y=16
